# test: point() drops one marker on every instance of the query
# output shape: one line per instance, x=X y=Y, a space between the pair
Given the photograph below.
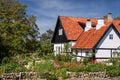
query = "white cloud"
x=47 y=11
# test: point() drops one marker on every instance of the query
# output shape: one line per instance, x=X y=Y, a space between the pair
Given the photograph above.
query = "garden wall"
x=20 y=75
x=87 y=74
x=34 y=75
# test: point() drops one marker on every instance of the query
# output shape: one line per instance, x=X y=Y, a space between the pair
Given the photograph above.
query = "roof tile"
x=89 y=39
x=85 y=39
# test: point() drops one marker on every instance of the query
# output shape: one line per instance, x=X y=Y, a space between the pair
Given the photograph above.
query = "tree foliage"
x=117 y=18
x=16 y=27
x=47 y=46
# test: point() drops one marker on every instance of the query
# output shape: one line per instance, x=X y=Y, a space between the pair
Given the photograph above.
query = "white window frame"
x=60 y=32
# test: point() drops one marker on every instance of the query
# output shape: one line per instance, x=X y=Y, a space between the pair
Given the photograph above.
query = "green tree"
x=105 y=17
x=16 y=27
x=66 y=47
x=47 y=46
x=117 y=18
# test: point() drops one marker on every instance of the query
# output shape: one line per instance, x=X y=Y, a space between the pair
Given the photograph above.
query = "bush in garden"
x=58 y=57
x=92 y=57
x=63 y=57
x=89 y=58
x=67 y=58
x=48 y=57
x=44 y=67
x=52 y=77
x=5 y=60
x=61 y=73
x=77 y=68
x=112 y=71
x=13 y=67
x=94 y=67
x=86 y=60
x=115 y=61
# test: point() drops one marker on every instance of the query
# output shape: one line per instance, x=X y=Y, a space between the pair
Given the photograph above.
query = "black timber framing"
x=59 y=38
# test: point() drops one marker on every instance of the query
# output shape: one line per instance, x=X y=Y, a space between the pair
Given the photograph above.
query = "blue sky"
x=47 y=11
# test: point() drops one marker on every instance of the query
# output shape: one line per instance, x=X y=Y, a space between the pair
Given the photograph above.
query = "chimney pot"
x=100 y=23
x=109 y=17
x=88 y=25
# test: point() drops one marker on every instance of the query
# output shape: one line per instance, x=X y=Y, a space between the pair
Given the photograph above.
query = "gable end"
x=56 y=37
x=113 y=27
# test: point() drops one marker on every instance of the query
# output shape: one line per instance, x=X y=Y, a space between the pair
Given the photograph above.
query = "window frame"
x=111 y=36
x=60 y=31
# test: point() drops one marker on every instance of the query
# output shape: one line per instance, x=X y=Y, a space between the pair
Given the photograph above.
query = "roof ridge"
x=78 y=17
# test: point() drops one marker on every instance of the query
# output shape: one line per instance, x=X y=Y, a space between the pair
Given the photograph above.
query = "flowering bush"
x=57 y=61
x=64 y=57
x=93 y=62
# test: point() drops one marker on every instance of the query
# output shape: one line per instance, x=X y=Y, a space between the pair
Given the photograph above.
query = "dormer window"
x=111 y=36
x=60 y=32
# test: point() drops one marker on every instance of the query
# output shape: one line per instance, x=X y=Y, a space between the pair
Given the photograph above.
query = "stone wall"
x=87 y=74
x=35 y=75
x=20 y=75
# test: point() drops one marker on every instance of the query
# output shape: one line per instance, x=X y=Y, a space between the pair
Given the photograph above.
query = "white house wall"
x=61 y=46
x=72 y=42
x=83 y=53
x=108 y=43
x=104 y=43
x=56 y=46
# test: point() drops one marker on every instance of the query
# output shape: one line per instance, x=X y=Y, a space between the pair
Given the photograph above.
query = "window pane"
x=111 y=36
x=60 y=31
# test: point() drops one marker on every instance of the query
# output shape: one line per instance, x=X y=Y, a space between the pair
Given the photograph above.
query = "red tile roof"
x=88 y=39
x=117 y=24
x=72 y=28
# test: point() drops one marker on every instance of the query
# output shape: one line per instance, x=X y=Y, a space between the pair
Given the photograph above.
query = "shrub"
x=13 y=67
x=63 y=57
x=86 y=60
x=58 y=57
x=48 y=57
x=61 y=73
x=52 y=77
x=115 y=61
x=5 y=60
x=44 y=67
x=67 y=58
x=77 y=68
x=112 y=71
x=89 y=58
x=94 y=67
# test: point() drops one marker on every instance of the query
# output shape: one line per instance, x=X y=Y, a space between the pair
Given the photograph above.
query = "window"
x=87 y=53
x=111 y=36
x=60 y=32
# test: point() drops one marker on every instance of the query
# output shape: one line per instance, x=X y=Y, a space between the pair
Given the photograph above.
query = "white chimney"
x=100 y=23
x=88 y=25
x=109 y=17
